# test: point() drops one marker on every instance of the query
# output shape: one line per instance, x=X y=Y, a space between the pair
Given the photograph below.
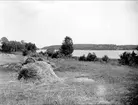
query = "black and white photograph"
x=68 y=52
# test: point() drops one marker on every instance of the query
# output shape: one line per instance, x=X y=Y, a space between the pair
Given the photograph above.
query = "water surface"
x=99 y=53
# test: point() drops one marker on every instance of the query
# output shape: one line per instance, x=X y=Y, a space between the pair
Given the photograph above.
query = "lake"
x=99 y=53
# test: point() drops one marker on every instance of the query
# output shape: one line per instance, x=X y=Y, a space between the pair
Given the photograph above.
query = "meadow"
x=84 y=83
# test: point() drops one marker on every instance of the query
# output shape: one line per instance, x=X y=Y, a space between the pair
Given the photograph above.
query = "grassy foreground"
x=84 y=83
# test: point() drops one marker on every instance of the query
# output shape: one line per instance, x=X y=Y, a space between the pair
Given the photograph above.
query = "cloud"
x=48 y=22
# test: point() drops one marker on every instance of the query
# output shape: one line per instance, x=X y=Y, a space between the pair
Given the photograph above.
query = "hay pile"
x=29 y=60
x=10 y=58
x=39 y=70
x=12 y=66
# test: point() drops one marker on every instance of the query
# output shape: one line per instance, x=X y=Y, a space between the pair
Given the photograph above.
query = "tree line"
x=14 y=46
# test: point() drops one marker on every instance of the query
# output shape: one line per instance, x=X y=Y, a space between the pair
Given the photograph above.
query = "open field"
x=84 y=83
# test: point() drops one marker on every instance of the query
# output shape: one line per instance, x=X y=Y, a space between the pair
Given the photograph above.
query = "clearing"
x=85 y=83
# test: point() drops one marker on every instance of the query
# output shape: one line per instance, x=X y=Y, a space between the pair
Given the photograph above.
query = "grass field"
x=85 y=83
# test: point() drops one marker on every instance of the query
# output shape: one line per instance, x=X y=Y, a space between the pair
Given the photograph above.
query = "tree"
x=137 y=48
x=12 y=46
x=22 y=42
x=67 y=46
x=30 y=47
x=6 y=47
x=4 y=39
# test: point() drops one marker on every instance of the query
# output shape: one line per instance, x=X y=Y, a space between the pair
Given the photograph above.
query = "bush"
x=128 y=58
x=105 y=58
x=25 y=52
x=82 y=58
x=35 y=54
x=58 y=54
x=50 y=52
x=125 y=58
x=55 y=54
x=91 y=57
x=41 y=53
x=30 y=47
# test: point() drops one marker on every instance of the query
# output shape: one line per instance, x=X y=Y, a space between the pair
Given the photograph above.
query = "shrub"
x=125 y=58
x=50 y=52
x=55 y=54
x=41 y=53
x=58 y=54
x=105 y=58
x=25 y=52
x=35 y=54
x=91 y=57
x=128 y=58
x=82 y=58
x=30 y=47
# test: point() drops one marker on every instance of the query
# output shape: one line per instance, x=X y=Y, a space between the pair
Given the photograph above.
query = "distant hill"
x=97 y=47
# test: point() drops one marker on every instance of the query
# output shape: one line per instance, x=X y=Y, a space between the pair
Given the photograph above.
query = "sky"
x=86 y=22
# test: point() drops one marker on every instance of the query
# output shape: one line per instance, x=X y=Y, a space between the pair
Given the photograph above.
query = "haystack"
x=38 y=70
x=52 y=64
x=29 y=60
